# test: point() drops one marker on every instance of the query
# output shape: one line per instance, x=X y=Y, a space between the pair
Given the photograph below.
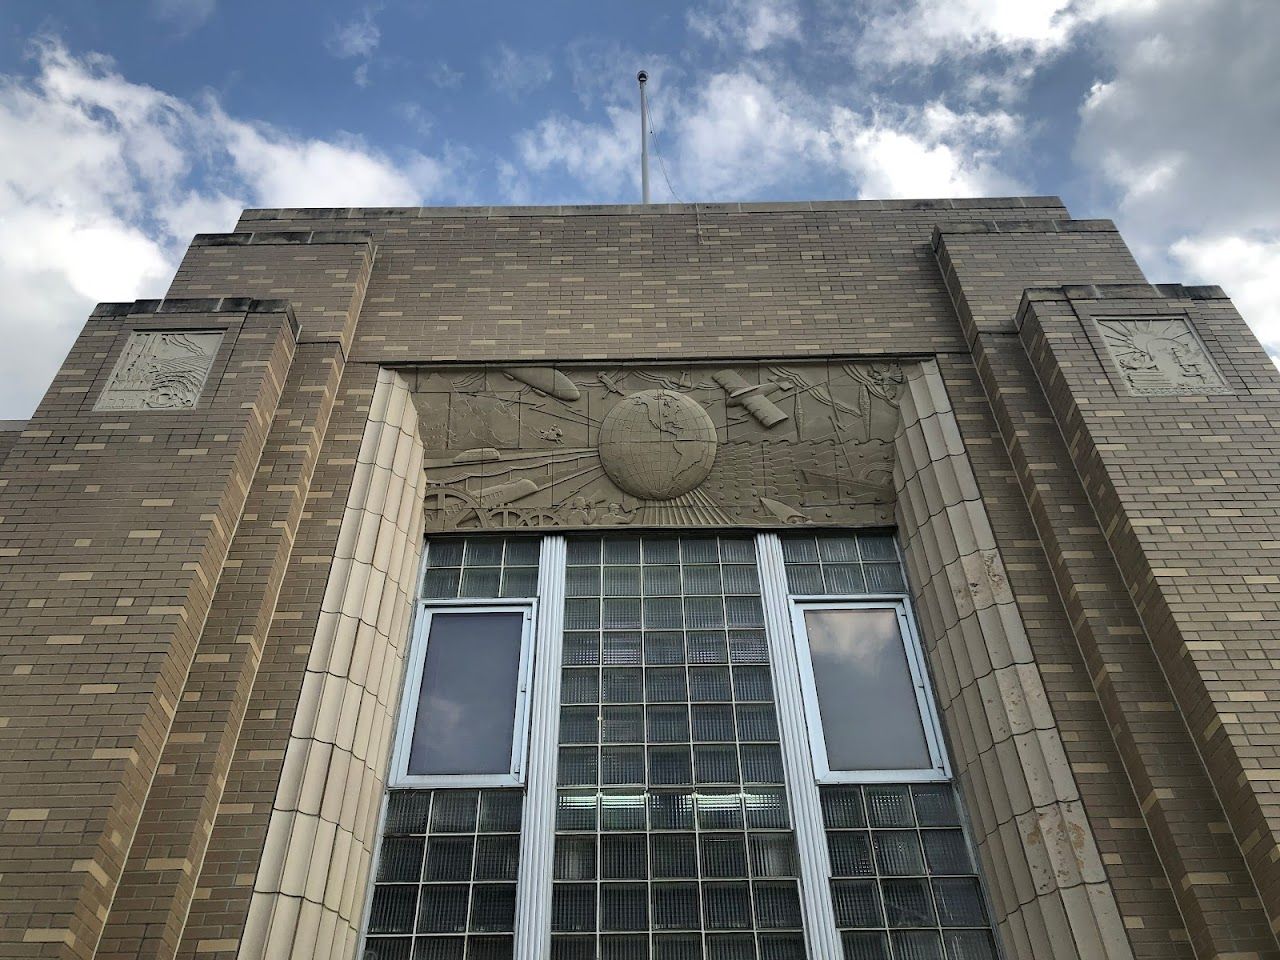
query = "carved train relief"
x=1161 y=357
x=160 y=371
x=754 y=444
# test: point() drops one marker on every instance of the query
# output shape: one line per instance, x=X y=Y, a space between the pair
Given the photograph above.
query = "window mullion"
x=821 y=936
x=537 y=839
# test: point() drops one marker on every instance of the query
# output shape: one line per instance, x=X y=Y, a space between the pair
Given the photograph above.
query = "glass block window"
x=842 y=564
x=481 y=568
x=673 y=833
x=904 y=884
x=445 y=886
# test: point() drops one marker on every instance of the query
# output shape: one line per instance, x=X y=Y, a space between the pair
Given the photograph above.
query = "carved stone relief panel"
x=159 y=370
x=754 y=444
x=1160 y=357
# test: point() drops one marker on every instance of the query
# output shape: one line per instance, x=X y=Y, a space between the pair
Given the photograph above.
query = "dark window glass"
x=466 y=708
x=866 y=696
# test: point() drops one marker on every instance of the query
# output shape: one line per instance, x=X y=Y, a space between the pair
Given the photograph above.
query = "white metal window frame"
x=515 y=777
x=939 y=770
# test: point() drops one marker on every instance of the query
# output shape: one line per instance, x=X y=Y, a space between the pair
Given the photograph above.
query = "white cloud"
x=444 y=76
x=925 y=32
x=744 y=134
x=101 y=193
x=752 y=24
x=926 y=152
x=1185 y=130
x=355 y=38
x=184 y=14
x=185 y=216
x=1247 y=268
x=602 y=157
x=321 y=173
x=515 y=73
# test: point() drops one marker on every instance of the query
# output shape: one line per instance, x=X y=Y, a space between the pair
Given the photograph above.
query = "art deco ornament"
x=576 y=446
x=1161 y=357
x=657 y=444
x=160 y=370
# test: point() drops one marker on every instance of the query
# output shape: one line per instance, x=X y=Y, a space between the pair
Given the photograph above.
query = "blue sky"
x=126 y=127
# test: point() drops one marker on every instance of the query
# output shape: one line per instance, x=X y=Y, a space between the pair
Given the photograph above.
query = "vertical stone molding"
x=1046 y=879
x=309 y=892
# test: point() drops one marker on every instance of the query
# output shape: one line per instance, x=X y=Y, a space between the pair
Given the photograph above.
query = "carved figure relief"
x=1160 y=357
x=160 y=371
x=757 y=444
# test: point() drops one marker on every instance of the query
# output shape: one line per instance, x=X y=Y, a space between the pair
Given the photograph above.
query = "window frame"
x=926 y=705
x=400 y=777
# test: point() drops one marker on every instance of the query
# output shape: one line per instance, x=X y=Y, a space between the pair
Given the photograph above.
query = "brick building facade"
x=220 y=630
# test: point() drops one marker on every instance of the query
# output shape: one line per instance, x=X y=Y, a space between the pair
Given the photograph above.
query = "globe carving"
x=657 y=444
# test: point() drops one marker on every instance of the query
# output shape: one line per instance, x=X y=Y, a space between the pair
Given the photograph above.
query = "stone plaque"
x=710 y=446
x=160 y=370
x=1161 y=357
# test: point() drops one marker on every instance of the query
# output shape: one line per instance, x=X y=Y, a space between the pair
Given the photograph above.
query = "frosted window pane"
x=466 y=710
x=866 y=696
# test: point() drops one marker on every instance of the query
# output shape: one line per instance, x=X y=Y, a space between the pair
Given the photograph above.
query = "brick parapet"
x=198 y=305
x=616 y=283
x=987 y=267
x=282 y=238
x=115 y=528
x=322 y=274
x=962 y=204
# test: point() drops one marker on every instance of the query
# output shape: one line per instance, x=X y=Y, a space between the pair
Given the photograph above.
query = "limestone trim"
x=651 y=209
x=1049 y=889
x=309 y=893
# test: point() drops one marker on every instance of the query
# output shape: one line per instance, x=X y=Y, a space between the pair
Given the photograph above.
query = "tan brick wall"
x=323 y=274
x=588 y=283
x=1184 y=492
x=10 y=433
x=115 y=528
x=1178 y=486
x=154 y=897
